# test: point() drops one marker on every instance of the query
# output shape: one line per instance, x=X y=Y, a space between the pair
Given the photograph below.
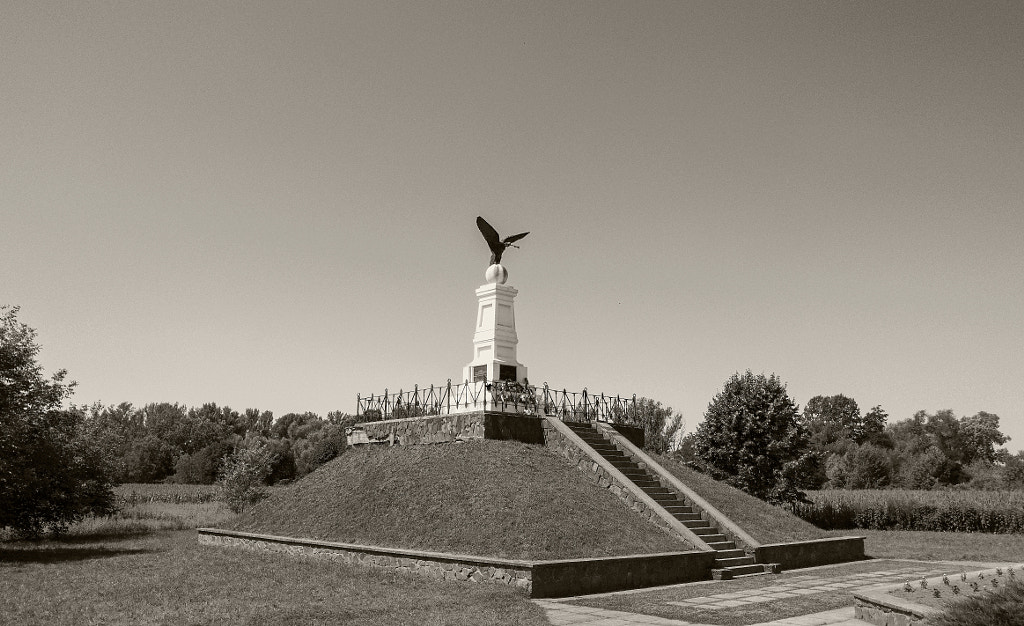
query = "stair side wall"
x=566 y=445
x=725 y=525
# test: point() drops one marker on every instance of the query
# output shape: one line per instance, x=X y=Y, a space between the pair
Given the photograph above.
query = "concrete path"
x=559 y=612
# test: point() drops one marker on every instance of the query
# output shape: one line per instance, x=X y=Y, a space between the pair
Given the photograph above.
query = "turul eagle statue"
x=494 y=240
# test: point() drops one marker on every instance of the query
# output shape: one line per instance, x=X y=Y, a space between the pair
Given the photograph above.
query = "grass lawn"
x=934 y=546
x=485 y=498
x=166 y=577
x=764 y=522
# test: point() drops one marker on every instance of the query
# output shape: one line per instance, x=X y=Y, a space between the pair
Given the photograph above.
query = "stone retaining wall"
x=555 y=579
x=454 y=428
x=435 y=565
x=541 y=579
x=882 y=609
x=811 y=553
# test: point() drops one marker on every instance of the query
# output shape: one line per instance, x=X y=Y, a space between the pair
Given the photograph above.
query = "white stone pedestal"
x=495 y=339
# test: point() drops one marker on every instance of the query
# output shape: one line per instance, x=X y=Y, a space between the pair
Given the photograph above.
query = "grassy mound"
x=486 y=498
x=764 y=522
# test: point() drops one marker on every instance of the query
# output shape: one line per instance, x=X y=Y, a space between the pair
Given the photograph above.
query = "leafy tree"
x=832 y=418
x=242 y=477
x=258 y=422
x=662 y=426
x=874 y=427
x=283 y=467
x=319 y=447
x=929 y=469
x=979 y=436
x=1013 y=470
x=51 y=475
x=868 y=467
x=148 y=459
x=284 y=425
x=752 y=436
x=163 y=420
x=202 y=466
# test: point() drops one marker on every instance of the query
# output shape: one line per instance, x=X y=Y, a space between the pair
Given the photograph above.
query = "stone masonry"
x=595 y=473
x=425 y=564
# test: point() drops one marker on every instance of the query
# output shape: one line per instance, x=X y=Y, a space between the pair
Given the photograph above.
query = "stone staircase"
x=730 y=561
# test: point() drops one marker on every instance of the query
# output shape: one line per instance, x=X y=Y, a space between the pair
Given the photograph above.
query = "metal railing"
x=586 y=407
x=503 y=396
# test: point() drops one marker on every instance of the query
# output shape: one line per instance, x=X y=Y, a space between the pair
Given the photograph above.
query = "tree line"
x=174 y=443
x=754 y=437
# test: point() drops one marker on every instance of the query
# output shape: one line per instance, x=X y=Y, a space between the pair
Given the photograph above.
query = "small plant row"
x=951 y=511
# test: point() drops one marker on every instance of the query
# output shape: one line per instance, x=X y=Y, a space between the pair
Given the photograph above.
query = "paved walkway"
x=560 y=613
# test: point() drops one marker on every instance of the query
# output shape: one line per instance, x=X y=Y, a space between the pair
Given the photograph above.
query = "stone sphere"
x=496 y=274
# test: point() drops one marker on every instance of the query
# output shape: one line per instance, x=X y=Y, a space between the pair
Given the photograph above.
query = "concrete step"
x=679 y=508
x=686 y=517
x=646 y=481
x=623 y=465
x=721 y=546
x=654 y=489
x=729 y=554
x=665 y=499
x=707 y=531
x=699 y=524
x=733 y=561
x=713 y=538
x=728 y=573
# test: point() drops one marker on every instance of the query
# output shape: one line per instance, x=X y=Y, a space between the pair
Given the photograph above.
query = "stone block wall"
x=454 y=428
x=875 y=609
x=429 y=429
x=595 y=473
x=441 y=567
x=553 y=579
x=810 y=553
x=540 y=579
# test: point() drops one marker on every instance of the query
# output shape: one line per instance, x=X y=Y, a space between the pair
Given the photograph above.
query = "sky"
x=272 y=205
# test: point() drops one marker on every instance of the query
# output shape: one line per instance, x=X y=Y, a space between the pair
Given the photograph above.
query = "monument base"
x=495 y=339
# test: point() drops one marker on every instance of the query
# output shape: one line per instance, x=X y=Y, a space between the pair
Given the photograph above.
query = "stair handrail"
x=719 y=517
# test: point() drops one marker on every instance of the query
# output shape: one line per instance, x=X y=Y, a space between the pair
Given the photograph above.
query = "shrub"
x=243 y=473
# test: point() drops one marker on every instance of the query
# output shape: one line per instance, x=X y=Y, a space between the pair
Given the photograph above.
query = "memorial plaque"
x=507 y=372
x=479 y=373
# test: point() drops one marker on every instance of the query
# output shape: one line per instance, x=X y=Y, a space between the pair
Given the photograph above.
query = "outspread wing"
x=515 y=238
x=490 y=235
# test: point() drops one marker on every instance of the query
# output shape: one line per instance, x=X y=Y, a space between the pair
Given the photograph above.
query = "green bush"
x=243 y=474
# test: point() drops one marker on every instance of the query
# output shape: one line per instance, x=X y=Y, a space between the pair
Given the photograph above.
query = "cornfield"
x=902 y=509
x=140 y=493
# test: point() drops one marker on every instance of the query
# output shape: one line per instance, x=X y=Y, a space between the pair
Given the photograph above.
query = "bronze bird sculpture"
x=494 y=241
